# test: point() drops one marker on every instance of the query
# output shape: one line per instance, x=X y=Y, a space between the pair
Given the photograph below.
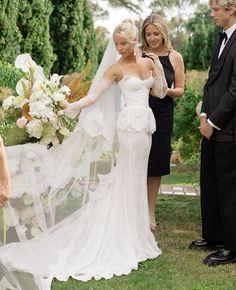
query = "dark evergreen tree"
x=10 y=36
x=90 y=47
x=67 y=36
x=33 y=23
x=202 y=32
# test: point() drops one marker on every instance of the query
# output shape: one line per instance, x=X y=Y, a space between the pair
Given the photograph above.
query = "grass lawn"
x=181 y=174
x=178 y=268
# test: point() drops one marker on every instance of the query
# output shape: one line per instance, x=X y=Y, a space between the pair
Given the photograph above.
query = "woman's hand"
x=3 y=199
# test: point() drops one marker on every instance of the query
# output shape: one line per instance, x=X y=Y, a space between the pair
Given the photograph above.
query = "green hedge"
x=9 y=75
x=186 y=135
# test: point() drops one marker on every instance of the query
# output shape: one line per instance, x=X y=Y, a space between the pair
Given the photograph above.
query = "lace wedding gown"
x=111 y=234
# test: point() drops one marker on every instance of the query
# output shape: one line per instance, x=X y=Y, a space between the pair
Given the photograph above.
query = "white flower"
x=23 y=87
x=21 y=122
x=12 y=216
x=55 y=79
x=35 y=231
x=38 y=74
x=52 y=117
x=57 y=97
x=24 y=62
x=35 y=128
x=64 y=90
x=27 y=214
x=64 y=131
x=20 y=101
x=44 y=98
x=38 y=89
x=40 y=109
x=8 y=102
x=27 y=199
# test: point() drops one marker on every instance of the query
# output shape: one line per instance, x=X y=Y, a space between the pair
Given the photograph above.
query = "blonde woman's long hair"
x=158 y=21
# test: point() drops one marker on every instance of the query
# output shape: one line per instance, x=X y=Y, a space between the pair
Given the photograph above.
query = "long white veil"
x=50 y=187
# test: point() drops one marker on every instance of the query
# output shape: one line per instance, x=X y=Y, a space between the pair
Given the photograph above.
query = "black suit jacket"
x=219 y=99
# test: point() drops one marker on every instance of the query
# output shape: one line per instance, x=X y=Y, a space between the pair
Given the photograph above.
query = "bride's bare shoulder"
x=114 y=72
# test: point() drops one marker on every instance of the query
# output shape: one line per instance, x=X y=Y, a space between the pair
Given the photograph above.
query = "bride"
x=80 y=209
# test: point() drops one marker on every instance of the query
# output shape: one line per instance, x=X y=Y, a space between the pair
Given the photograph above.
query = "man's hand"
x=205 y=129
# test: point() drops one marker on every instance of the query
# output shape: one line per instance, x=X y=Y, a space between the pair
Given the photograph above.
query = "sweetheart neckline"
x=133 y=75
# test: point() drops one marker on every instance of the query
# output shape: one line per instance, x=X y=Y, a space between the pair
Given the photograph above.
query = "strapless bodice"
x=136 y=114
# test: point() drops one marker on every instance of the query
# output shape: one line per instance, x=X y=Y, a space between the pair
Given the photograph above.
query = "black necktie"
x=223 y=36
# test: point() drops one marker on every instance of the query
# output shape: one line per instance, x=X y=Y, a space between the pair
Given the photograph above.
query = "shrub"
x=186 y=133
x=9 y=75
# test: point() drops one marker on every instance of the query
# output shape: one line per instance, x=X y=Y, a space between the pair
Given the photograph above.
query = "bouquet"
x=40 y=101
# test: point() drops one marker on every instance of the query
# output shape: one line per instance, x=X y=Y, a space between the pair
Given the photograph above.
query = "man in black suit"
x=218 y=148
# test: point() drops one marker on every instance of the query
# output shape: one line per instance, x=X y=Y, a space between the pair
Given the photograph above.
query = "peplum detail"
x=136 y=118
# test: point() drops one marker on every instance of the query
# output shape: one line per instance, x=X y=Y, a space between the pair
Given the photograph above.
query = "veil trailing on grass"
x=51 y=187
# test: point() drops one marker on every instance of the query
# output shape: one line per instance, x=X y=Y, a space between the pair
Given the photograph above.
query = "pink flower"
x=21 y=122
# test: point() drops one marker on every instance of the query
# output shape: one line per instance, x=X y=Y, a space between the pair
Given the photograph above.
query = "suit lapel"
x=217 y=63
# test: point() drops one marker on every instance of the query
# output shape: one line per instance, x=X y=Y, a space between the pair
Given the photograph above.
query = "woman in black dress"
x=156 y=44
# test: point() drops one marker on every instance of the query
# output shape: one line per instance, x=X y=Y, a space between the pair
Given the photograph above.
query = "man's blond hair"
x=224 y=3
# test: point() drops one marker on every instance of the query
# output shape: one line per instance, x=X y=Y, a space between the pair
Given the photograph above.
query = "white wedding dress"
x=110 y=235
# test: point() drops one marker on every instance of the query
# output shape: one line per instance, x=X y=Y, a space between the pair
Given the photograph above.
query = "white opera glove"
x=75 y=107
x=160 y=86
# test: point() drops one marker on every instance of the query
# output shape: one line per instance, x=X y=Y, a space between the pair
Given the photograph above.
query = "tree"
x=10 y=36
x=186 y=123
x=33 y=23
x=90 y=47
x=67 y=36
x=201 y=32
x=102 y=40
x=175 y=10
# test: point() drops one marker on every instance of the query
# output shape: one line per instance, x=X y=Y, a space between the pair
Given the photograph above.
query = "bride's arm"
x=4 y=176
x=160 y=86
x=107 y=81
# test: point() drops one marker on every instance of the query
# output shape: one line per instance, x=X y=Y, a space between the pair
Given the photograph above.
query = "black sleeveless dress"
x=163 y=109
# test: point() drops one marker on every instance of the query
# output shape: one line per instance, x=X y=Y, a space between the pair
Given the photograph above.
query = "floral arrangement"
x=40 y=101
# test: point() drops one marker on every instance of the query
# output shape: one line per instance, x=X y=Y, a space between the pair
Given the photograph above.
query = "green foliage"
x=127 y=4
x=24 y=28
x=196 y=80
x=9 y=75
x=13 y=135
x=187 y=174
x=194 y=159
x=10 y=36
x=33 y=23
x=72 y=36
x=67 y=36
x=197 y=49
x=101 y=40
x=186 y=124
x=90 y=47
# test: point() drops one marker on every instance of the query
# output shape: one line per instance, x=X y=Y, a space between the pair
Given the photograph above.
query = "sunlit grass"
x=178 y=268
x=180 y=174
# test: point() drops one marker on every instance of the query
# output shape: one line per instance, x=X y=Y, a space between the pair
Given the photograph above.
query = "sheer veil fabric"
x=60 y=203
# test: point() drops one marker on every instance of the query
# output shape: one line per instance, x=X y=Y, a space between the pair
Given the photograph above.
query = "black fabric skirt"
x=159 y=158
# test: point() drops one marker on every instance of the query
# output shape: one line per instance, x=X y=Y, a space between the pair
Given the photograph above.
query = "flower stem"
x=4 y=226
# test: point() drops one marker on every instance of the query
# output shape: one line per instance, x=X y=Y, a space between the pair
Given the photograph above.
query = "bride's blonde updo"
x=128 y=30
